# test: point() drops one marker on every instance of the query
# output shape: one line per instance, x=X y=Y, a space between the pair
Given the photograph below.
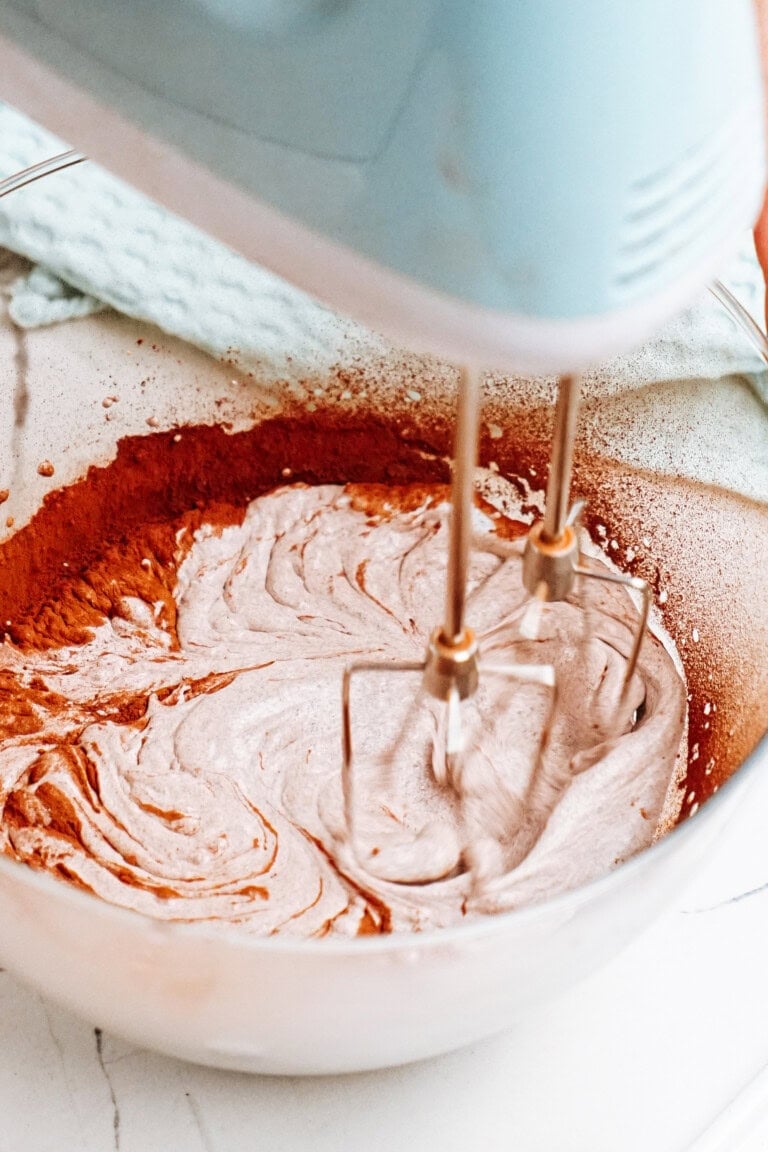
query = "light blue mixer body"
x=545 y=159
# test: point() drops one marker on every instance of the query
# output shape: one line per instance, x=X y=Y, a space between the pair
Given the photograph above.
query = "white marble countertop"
x=625 y=1061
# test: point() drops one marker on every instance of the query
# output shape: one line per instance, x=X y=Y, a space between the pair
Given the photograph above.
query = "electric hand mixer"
x=528 y=186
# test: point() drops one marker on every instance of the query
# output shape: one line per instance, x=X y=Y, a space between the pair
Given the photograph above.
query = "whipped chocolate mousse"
x=170 y=711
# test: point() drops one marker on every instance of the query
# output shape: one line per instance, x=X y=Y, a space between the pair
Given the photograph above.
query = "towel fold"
x=96 y=234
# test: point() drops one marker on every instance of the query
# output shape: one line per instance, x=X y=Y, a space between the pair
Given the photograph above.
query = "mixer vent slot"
x=670 y=214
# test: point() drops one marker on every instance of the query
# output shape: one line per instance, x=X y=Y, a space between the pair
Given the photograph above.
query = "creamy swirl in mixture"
x=185 y=760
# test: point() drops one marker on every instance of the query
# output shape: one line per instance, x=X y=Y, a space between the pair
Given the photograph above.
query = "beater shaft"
x=551 y=561
x=559 y=484
x=552 y=548
x=462 y=490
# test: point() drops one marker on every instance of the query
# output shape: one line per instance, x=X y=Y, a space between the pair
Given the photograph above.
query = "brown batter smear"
x=142 y=565
x=133 y=508
x=381 y=501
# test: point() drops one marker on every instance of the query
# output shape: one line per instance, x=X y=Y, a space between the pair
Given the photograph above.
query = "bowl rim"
x=225 y=935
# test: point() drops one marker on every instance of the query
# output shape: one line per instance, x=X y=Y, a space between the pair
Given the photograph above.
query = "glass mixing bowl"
x=675 y=471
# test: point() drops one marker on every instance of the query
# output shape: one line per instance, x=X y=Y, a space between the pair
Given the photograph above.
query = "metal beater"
x=551 y=560
x=453 y=666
